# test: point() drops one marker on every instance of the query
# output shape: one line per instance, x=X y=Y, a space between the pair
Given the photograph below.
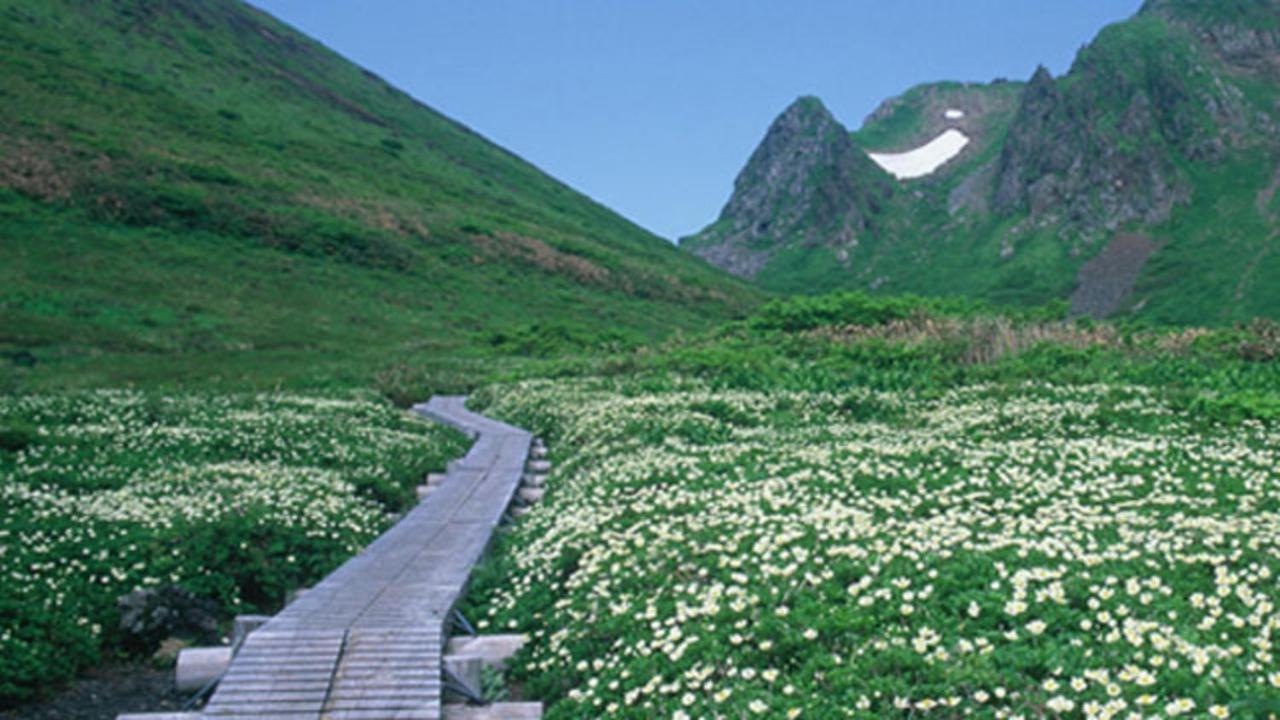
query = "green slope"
x=194 y=190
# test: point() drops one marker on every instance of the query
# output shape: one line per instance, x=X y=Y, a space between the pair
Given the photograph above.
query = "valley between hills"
x=973 y=410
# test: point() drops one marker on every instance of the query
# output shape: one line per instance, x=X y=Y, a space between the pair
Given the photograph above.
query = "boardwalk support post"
x=460 y=621
x=462 y=677
x=245 y=624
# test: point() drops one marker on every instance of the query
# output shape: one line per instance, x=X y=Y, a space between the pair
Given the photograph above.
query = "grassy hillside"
x=193 y=190
x=918 y=115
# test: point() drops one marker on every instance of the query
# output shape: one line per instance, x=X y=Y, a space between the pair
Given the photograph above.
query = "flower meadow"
x=1016 y=551
x=235 y=498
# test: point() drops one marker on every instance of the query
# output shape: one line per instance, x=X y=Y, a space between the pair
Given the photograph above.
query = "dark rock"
x=1101 y=150
x=23 y=358
x=807 y=182
x=148 y=617
x=1064 y=158
x=1243 y=34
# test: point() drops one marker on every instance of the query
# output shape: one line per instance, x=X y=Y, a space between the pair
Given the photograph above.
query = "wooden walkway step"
x=366 y=642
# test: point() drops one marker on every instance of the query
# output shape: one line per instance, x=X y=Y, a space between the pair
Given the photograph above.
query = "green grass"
x=119 y=480
x=200 y=203
x=909 y=123
x=1221 y=222
x=235 y=498
x=106 y=304
x=991 y=550
x=196 y=183
x=860 y=506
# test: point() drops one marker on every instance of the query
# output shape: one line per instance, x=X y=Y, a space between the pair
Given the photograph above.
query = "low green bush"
x=235 y=498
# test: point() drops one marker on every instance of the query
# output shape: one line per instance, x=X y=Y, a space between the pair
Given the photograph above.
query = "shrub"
x=234 y=499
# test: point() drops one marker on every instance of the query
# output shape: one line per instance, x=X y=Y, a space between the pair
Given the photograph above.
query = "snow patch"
x=954 y=114
x=925 y=159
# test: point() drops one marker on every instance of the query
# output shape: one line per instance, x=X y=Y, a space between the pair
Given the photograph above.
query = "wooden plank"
x=366 y=642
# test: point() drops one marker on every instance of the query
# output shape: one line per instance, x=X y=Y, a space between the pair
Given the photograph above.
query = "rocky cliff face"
x=807 y=183
x=1060 y=164
x=1103 y=146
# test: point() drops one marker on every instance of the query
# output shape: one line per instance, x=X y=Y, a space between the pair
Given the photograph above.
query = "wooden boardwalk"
x=366 y=642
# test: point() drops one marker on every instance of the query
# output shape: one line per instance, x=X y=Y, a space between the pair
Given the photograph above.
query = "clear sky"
x=653 y=106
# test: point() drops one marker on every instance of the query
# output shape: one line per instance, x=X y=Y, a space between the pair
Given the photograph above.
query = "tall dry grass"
x=988 y=339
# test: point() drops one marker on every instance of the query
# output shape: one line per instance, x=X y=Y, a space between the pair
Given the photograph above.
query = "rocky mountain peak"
x=806 y=182
x=806 y=109
x=1161 y=141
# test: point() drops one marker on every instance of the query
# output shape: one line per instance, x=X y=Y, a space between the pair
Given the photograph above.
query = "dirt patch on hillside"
x=1105 y=282
x=1263 y=200
x=397 y=218
x=984 y=339
x=36 y=169
x=539 y=253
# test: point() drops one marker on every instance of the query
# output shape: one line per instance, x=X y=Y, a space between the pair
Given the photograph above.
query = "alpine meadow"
x=315 y=403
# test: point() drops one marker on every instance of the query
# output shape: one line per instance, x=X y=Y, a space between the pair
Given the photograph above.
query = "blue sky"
x=652 y=106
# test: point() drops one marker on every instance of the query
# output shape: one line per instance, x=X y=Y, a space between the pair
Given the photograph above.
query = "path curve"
x=366 y=642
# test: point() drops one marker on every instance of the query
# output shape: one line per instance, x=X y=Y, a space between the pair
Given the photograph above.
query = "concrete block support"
x=465 y=668
x=496 y=711
x=198 y=667
x=493 y=650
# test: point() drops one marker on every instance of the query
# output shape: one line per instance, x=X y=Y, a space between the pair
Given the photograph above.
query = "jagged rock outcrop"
x=1244 y=34
x=806 y=183
x=1071 y=157
x=1166 y=127
x=1103 y=148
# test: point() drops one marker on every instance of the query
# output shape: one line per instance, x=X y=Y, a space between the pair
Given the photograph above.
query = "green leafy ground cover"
x=193 y=189
x=235 y=498
x=196 y=198
x=879 y=418
x=996 y=550
x=856 y=506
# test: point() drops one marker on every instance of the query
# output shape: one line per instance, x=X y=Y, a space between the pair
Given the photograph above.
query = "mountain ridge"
x=1157 y=124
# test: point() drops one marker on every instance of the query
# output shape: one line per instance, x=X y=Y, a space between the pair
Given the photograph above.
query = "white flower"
x=1060 y=704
